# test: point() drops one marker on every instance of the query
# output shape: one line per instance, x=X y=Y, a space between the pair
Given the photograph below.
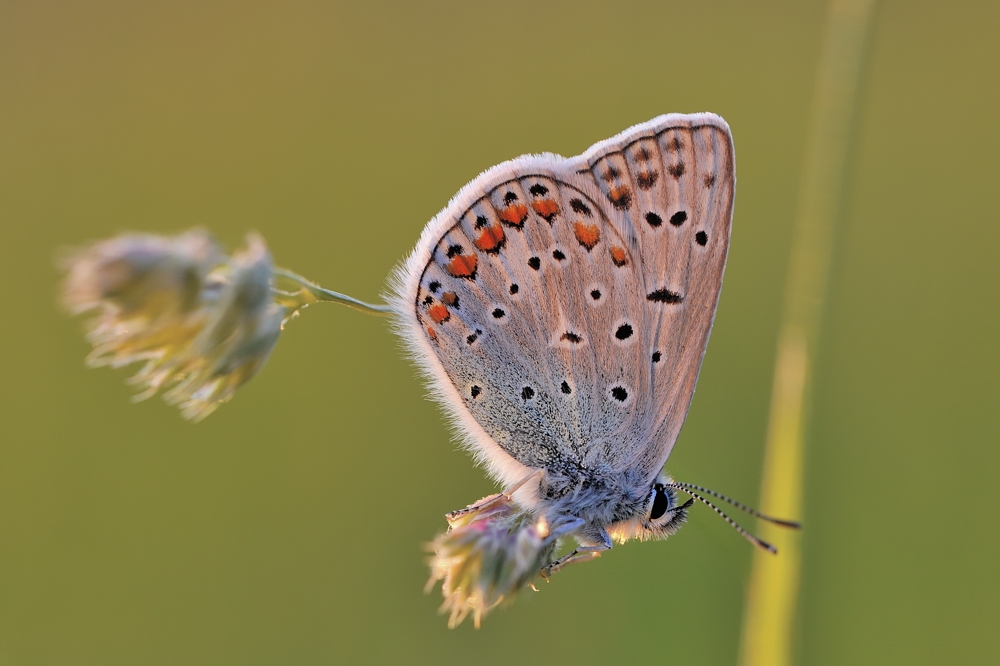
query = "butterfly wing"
x=560 y=308
x=669 y=187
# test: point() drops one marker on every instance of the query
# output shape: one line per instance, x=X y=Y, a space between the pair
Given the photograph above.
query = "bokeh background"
x=287 y=528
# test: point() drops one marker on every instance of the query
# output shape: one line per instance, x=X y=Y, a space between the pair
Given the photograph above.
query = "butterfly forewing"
x=567 y=303
x=671 y=186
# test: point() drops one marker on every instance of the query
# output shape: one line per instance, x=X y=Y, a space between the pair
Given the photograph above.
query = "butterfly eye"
x=660 y=503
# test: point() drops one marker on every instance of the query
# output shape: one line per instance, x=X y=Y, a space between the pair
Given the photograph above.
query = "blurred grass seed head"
x=491 y=550
x=203 y=322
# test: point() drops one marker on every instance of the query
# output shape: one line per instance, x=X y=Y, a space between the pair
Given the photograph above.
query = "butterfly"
x=559 y=309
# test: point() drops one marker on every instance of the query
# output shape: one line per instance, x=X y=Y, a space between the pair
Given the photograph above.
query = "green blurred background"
x=287 y=528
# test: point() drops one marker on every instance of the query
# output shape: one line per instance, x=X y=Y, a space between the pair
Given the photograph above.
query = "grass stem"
x=769 y=614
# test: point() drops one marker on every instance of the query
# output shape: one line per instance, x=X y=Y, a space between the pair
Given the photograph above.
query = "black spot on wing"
x=578 y=206
x=664 y=295
x=647 y=179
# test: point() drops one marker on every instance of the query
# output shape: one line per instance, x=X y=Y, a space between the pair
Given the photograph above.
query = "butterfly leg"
x=496 y=501
x=482 y=505
x=581 y=554
x=593 y=543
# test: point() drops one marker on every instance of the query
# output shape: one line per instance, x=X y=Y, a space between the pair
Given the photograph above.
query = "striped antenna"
x=760 y=543
x=739 y=505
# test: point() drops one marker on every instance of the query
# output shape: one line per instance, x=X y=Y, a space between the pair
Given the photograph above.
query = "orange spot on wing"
x=439 y=313
x=621 y=197
x=547 y=208
x=490 y=239
x=432 y=334
x=514 y=214
x=587 y=234
x=462 y=265
x=449 y=298
x=618 y=256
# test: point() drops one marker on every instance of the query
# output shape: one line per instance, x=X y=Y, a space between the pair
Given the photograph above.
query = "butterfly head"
x=659 y=516
x=618 y=506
